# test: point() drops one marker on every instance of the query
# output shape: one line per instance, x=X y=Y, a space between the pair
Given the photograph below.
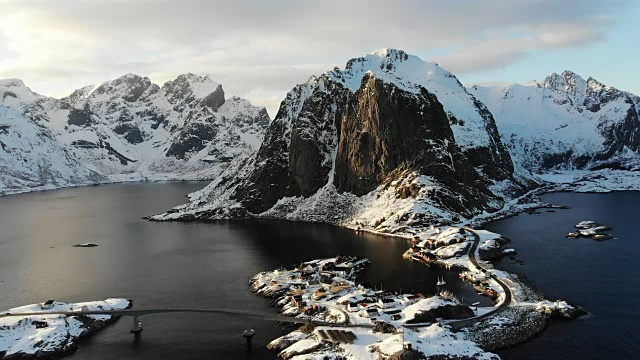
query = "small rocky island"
x=590 y=229
x=52 y=336
x=85 y=245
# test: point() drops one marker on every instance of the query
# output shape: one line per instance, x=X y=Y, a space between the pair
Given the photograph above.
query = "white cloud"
x=260 y=49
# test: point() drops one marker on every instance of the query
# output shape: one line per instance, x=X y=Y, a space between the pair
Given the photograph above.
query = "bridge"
x=137 y=314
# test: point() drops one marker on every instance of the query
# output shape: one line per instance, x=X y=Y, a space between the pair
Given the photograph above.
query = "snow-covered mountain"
x=390 y=140
x=123 y=129
x=566 y=122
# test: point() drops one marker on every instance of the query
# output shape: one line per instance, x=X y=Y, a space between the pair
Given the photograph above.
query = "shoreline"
x=504 y=215
x=54 y=336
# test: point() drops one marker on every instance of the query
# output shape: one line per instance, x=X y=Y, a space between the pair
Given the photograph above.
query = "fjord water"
x=207 y=265
x=602 y=277
x=201 y=265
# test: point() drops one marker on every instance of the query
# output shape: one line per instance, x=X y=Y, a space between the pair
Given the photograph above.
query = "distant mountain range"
x=566 y=122
x=390 y=141
x=123 y=129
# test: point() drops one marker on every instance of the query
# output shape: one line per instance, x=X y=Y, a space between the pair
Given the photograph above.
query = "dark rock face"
x=494 y=160
x=131 y=133
x=7 y=94
x=215 y=99
x=295 y=156
x=80 y=117
x=270 y=179
x=623 y=134
x=192 y=138
x=443 y=312
x=388 y=134
x=309 y=154
x=385 y=128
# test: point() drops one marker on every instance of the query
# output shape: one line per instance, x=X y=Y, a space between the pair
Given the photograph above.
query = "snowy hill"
x=566 y=122
x=124 y=129
x=390 y=140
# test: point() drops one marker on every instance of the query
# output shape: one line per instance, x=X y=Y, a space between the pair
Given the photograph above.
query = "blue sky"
x=614 y=61
x=261 y=49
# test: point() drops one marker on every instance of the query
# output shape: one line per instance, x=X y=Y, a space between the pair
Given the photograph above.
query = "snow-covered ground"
x=318 y=290
x=52 y=335
x=600 y=181
x=326 y=287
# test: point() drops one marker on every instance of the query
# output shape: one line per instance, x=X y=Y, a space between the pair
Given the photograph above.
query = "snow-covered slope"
x=566 y=122
x=389 y=140
x=124 y=129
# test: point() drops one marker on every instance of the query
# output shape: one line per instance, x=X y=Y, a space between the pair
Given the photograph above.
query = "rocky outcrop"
x=384 y=327
x=446 y=312
x=492 y=249
x=53 y=336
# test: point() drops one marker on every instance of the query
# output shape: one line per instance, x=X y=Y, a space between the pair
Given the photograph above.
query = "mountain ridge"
x=129 y=128
x=566 y=122
x=317 y=164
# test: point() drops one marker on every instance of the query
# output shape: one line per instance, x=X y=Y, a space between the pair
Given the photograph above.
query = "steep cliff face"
x=388 y=134
x=566 y=122
x=385 y=128
x=131 y=129
x=472 y=124
x=337 y=150
x=296 y=157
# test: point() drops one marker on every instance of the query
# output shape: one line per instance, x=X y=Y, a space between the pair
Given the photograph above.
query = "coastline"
x=521 y=322
x=514 y=318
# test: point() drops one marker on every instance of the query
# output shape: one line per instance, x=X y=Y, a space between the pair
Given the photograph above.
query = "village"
x=325 y=289
x=343 y=317
x=347 y=315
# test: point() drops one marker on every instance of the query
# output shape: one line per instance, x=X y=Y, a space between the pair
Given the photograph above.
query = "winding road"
x=459 y=324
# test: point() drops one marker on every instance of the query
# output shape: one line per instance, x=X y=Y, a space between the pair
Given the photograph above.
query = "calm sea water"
x=172 y=265
x=602 y=277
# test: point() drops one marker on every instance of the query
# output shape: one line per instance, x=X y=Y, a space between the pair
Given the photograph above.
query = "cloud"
x=260 y=49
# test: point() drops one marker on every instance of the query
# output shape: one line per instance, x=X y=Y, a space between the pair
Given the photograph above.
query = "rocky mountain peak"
x=13 y=82
x=568 y=82
x=187 y=88
x=15 y=92
x=472 y=124
x=129 y=87
x=387 y=59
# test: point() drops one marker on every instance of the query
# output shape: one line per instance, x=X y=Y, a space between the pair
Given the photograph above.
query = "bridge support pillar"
x=137 y=325
x=249 y=334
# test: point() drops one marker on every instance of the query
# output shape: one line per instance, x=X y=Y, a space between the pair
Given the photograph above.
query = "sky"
x=261 y=49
